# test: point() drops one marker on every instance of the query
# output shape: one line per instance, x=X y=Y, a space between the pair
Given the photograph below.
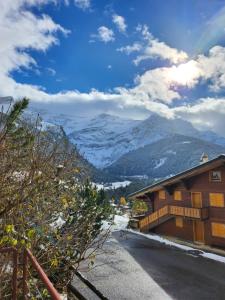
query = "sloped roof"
x=201 y=168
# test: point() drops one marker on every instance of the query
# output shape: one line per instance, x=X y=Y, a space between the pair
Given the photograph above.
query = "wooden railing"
x=14 y=268
x=172 y=210
x=28 y=257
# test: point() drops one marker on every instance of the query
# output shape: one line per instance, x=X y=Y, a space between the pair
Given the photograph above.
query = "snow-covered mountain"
x=165 y=157
x=106 y=138
x=155 y=147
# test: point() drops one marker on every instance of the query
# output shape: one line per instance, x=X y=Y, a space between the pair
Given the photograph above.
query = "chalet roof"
x=199 y=169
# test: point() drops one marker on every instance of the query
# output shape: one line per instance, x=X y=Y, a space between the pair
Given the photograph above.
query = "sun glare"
x=184 y=74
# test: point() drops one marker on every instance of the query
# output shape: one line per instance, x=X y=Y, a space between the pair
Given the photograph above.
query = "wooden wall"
x=200 y=183
x=169 y=228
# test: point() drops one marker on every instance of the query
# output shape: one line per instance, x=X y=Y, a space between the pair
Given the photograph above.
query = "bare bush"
x=46 y=201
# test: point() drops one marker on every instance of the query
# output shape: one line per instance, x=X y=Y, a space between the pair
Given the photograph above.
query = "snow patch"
x=112 y=185
x=171 y=152
x=214 y=257
x=119 y=223
x=137 y=176
x=58 y=223
x=183 y=247
x=186 y=142
x=160 y=162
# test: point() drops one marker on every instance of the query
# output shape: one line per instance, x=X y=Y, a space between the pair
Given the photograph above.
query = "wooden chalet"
x=189 y=205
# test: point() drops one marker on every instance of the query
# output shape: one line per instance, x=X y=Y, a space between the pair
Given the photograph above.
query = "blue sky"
x=77 y=61
x=124 y=57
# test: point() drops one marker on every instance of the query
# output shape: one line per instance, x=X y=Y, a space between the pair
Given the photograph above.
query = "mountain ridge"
x=165 y=157
x=108 y=143
x=103 y=145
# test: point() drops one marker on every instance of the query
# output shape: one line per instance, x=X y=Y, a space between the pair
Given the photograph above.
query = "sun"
x=185 y=74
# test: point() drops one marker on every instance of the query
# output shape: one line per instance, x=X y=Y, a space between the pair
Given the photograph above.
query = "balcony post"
x=25 y=273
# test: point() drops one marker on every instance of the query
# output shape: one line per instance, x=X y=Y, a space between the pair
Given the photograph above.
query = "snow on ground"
x=136 y=176
x=160 y=162
x=186 y=142
x=214 y=256
x=183 y=247
x=58 y=223
x=171 y=152
x=160 y=239
x=119 y=223
x=116 y=185
x=112 y=185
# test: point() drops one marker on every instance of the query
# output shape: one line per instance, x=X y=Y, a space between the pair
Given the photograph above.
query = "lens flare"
x=186 y=74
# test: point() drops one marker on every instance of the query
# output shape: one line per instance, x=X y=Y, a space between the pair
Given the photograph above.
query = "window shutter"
x=179 y=222
x=216 y=199
x=162 y=195
x=218 y=229
x=177 y=195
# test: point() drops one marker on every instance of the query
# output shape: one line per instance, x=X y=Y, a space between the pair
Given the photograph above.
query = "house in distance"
x=189 y=205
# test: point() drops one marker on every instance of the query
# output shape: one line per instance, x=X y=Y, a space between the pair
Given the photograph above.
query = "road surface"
x=135 y=267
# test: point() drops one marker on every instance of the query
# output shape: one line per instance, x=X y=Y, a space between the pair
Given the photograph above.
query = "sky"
x=123 y=57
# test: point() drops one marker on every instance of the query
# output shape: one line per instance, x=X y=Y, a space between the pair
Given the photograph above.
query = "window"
x=196 y=198
x=177 y=195
x=162 y=195
x=218 y=229
x=179 y=222
x=215 y=176
x=216 y=199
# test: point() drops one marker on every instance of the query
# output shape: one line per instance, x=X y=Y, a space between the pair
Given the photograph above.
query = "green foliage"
x=139 y=207
x=16 y=112
x=58 y=215
x=123 y=201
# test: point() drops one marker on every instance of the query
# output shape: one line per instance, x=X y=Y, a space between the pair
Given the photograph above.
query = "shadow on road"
x=180 y=274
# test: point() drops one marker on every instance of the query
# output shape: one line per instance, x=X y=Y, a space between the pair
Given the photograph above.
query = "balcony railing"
x=10 y=275
x=172 y=210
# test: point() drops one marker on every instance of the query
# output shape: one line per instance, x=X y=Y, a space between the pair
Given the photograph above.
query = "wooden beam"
x=169 y=189
x=150 y=195
x=186 y=184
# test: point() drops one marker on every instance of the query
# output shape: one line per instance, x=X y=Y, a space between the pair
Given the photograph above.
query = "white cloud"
x=155 y=85
x=213 y=67
x=120 y=23
x=135 y=47
x=143 y=29
x=27 y=31
x=205 y=114
x=83 y=4
x=51 y=71
x=105 y=35
x=187 y=74
x=209 y=69
x=154 y=90
x=155 y=49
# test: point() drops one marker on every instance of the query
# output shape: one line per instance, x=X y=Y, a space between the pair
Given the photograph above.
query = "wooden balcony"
x=171 y=210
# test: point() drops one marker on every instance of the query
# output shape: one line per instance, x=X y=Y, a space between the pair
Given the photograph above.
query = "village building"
x=189 y=205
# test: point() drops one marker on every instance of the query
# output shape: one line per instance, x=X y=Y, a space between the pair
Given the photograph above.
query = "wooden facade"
x=190 y=205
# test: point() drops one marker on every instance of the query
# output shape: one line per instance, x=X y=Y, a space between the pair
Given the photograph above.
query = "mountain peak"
x=105 y=116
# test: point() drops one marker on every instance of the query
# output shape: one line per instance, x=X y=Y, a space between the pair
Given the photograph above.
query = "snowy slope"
x=164 y=157
x=68 y=122
x=106 y=138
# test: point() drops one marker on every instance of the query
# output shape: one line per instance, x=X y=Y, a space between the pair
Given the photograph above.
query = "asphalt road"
x=134 y=267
